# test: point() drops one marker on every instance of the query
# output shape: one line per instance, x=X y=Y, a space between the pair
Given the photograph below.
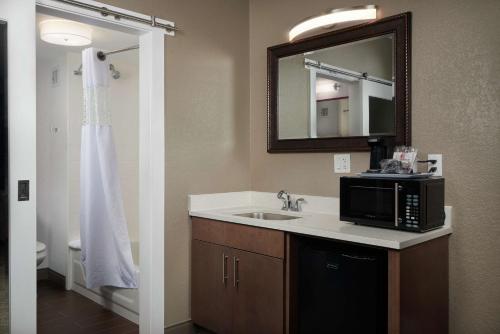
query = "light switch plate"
x=23 y=190
x=438 y=164
x=342 y=163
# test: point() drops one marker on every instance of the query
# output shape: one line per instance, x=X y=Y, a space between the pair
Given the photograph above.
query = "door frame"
x=151 y=165
x=21 y=111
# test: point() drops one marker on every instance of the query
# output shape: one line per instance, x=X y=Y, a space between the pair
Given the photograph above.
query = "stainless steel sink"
x=266 y=216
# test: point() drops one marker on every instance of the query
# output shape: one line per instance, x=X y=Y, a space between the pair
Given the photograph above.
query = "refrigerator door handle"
x=362 y=258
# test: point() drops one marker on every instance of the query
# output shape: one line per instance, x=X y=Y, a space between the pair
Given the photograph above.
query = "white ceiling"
x=102 y=38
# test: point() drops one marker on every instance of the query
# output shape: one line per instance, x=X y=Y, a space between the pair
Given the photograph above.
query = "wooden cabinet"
x=418 y=288
x=210 y=305
x=244 y=278
x=258 y=297
x=235 y=290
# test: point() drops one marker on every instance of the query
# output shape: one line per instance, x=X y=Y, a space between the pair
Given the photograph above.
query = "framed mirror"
x=330 y=92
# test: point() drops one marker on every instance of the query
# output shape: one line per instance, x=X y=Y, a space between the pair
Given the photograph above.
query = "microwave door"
x=377 y=204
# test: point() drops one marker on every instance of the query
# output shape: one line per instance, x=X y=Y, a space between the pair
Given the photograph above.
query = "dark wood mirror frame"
x=400 y=26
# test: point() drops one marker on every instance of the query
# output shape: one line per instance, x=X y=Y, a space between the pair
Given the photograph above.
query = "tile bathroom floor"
x=61 y=311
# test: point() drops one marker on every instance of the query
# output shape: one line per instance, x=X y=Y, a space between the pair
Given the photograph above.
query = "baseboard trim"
x=51 y=275
x=177 y=324
x=106 y=303
x=42 y=274
x=184 y=327
x=57 y=278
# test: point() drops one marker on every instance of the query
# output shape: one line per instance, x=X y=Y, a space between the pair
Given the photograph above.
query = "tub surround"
x=122 y=301
x=320 y=218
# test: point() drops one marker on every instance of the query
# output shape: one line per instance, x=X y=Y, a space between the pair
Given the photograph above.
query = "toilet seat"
x=40 y=247
x=41 y=252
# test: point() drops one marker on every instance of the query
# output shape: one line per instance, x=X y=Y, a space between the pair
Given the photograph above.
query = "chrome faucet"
x=285 y=197
x=298 y=204
x=288 y=203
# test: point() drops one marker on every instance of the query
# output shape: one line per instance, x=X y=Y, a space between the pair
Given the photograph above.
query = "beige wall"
x=207 y=116
x=293 y=98
x=456 y=108
x=455 y=104
x=207 y=119
x=373 y=57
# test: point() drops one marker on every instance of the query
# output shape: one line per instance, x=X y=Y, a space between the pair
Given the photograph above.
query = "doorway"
x=151 y=158
x=142 y=166
x=62 y=112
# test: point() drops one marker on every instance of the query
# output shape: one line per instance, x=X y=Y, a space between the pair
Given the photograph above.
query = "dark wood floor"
x=67 y=312
x=61 y=311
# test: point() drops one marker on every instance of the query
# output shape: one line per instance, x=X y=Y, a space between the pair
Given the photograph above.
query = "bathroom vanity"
x=237 y=277
x=245 y=270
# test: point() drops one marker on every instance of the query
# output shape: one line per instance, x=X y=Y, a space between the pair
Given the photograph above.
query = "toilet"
x=41 y=252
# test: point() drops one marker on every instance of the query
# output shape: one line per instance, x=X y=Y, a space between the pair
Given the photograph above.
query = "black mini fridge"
x=342 y=288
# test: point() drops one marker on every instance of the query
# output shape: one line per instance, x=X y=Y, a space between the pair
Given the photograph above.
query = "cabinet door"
x=210 y=294
x=258 y=293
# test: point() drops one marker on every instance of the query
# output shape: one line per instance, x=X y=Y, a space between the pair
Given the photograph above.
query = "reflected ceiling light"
x=333 y=17
x=65 y=32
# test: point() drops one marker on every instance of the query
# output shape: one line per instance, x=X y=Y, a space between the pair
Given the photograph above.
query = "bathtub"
x=124 y=302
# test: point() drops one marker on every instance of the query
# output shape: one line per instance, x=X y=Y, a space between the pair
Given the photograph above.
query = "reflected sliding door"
x=4 y=189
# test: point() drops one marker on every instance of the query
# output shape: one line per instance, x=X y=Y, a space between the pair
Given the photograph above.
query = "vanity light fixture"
x=65 y=32
x=333 y=17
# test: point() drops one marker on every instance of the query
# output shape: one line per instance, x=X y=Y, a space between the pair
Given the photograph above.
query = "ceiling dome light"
x=64 y=32
x=333 y=17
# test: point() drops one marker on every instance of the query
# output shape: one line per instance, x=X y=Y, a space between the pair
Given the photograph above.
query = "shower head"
x=114 y=73
x=78 y=71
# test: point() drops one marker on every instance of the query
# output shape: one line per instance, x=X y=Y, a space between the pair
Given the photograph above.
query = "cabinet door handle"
x=224 y=269
x=236 y=274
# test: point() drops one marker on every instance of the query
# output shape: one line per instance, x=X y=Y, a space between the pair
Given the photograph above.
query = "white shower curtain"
x=106 y=251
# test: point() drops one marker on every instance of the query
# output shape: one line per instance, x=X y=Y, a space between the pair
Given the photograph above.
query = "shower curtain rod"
x=361 y=76
x=102 y=55
x=117 y=15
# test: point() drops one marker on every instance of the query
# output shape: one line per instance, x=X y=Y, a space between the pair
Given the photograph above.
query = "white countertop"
x=323 y=223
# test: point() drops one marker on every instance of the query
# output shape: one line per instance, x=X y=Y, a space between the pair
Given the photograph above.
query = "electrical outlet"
x=342 y=163
x=438 y=164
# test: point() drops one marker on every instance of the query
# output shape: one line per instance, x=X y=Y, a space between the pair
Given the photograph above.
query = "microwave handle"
x=396 y=204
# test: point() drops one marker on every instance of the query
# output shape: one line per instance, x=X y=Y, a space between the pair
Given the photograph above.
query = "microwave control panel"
x=412 y=211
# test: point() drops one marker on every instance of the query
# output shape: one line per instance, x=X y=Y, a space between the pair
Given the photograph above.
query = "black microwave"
x=403 y=204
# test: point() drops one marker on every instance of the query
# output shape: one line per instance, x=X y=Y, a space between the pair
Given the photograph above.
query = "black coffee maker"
x=380 y=148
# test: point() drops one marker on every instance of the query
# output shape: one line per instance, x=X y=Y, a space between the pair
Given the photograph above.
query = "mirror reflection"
x=4 y=185
x=342 y=91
